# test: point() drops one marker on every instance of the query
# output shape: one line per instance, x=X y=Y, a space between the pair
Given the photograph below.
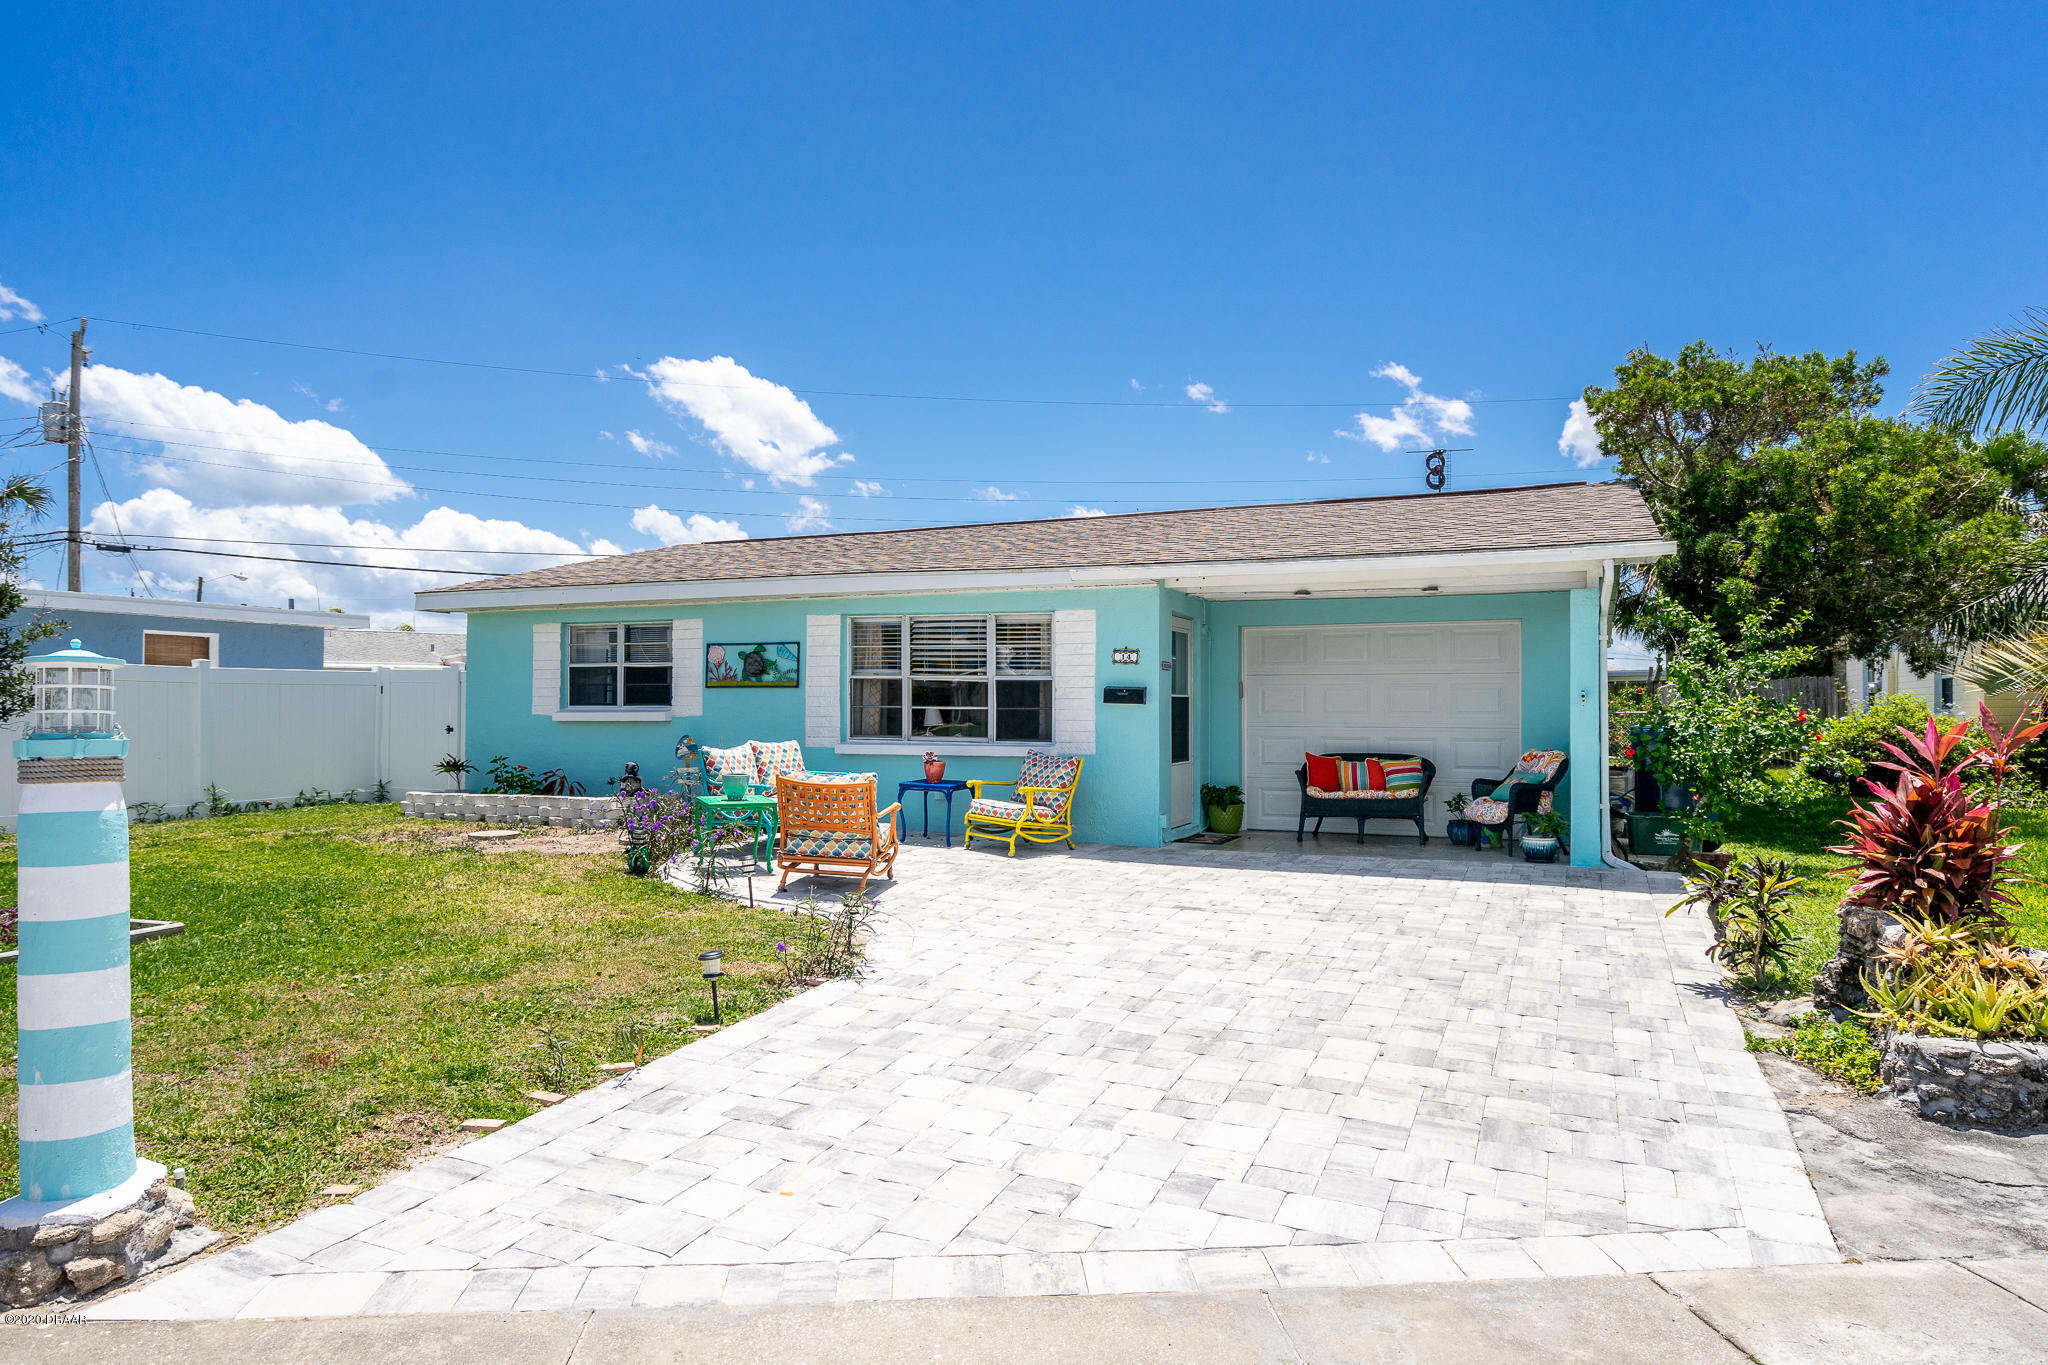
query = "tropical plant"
x=457 y=768
x=1927 y=847
x=1549 y=824
x=21 y=498
x=1958 y=980
x=1756 y=935
x=1999 y=378
x=1456 y=802
x=1221 y=798
x=556 y=782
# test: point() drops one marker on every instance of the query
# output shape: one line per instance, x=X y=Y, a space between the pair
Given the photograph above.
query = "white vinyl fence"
x=267 y=734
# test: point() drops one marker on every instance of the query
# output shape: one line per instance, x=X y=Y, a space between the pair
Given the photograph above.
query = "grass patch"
x=1812 y=917
x=349 y=988
x=1839 y=1050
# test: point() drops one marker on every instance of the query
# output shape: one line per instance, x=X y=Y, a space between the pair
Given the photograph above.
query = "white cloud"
x=1421 y=417
x=670 y=529
x=647 y=445
x=758 y=422
x=1136 y=387
x=1077 y=510
x=601 y=546
x=868 y=488
x=995 y=494
x=13 y=305
x=809 y=516
x=1206 y=396
x=1317 y=457
x=14 y=383
x=228 y=450
x=1580 y=440
x=305 y=390
x=317 y=533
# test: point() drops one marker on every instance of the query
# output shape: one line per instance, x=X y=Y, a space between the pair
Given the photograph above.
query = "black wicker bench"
x=1364 y=808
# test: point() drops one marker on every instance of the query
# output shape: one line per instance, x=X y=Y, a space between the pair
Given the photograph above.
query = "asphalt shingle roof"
x=1535 y=517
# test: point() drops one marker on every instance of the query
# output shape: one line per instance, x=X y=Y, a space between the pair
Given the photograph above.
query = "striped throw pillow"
x=1403 y=775
x=1351 y=776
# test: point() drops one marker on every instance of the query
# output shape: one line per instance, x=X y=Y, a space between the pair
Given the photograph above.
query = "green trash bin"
x=1654 y=836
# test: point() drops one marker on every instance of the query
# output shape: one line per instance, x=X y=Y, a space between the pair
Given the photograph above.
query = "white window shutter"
x=1073 y=681
x=821 y=680
x=547 y=668
x=686 y=655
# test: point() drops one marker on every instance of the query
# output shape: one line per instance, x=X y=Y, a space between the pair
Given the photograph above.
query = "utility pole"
x=75 y=430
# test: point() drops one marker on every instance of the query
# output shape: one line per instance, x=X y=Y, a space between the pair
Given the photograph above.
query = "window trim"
x=904 y=741
x=570 y=708
x=212 y=638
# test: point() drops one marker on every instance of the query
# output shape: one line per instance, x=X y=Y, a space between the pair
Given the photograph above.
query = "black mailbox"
x=1123 y=696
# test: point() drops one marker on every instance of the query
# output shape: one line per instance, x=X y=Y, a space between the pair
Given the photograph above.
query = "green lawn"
x=350 y=987
x=1815 y=914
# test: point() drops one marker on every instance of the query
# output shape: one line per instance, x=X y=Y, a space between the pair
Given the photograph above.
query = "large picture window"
x=973 y=678
x=624 y=665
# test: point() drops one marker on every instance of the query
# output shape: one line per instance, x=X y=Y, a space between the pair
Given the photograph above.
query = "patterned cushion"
x=1047 y=770
x=1011 y=812
x=739 y=759
x=1049 y=805
x=1535 y=767
x=787 y=756
x=1361 y=794
x=821 y=844
x=1485 y=810
x=1404 y=775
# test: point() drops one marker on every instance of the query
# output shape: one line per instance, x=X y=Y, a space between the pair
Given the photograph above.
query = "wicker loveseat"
x=1377 y=806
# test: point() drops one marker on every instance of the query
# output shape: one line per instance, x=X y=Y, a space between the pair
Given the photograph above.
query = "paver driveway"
x=1120 y=1070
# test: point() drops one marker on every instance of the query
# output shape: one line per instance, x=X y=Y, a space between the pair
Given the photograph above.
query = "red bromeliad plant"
x=1929 y=849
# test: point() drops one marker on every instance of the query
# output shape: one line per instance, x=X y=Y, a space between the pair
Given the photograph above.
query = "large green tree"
x=1778 y=485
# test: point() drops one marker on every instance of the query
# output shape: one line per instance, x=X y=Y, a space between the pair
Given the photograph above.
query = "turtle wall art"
x=764 y=665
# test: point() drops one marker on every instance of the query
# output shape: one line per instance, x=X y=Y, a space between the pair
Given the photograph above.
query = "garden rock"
x=27 y=1278
x=70 y=1257
x=88 y=1273
x=1864 y=932
x=1961 y=1080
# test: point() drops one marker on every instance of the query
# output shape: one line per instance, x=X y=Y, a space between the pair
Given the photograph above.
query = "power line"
x=288 y=559
x=601 y=377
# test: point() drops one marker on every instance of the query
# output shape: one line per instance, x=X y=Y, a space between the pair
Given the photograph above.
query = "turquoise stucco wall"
x=1547 y=648
x=1120 y=799
x=1126 y=782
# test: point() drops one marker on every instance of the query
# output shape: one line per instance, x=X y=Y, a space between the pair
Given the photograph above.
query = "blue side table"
x=948 y=786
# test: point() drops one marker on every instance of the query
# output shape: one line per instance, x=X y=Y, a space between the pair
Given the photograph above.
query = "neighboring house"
x=155 y=630
x=393 y=649
x=1171 y=649
x=1869 y=678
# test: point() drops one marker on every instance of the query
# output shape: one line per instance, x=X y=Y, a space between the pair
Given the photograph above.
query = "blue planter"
x=1539 y=848
x=1462 y=831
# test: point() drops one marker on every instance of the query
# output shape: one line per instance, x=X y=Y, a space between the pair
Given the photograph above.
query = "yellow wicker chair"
x=1043 y=812
x=830 y=827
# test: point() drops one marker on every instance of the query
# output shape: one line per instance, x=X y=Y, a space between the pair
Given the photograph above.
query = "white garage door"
x=1449 y=693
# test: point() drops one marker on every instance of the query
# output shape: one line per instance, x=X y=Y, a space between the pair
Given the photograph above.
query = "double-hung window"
x=959 y=678
x=623 y=665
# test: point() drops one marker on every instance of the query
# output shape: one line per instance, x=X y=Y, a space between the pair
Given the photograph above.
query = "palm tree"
x=2000 y=380
x=22 y=495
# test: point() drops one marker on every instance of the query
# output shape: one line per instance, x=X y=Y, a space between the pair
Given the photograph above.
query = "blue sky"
x=1295 y=206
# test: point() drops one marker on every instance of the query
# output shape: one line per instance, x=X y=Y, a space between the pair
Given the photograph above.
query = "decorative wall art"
x=764 y=665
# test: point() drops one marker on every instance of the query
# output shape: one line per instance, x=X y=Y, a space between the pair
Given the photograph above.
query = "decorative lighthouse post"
x=88 y=1213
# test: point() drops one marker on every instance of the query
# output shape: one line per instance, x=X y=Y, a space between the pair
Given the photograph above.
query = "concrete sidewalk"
x=1923 y=1312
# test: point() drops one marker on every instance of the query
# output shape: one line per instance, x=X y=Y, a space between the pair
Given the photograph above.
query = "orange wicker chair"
x=829 y=827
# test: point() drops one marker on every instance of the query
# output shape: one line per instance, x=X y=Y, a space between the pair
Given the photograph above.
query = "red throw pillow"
x=1322 y=772
x=1375 y=776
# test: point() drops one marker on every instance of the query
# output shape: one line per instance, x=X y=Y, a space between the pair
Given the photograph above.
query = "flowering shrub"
x=658 y=822
x=1844 y=748
x=1720 y=734
x=511 y=779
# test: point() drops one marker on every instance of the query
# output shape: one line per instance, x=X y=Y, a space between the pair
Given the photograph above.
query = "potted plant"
x=1460 y=830
x=454 y=767
x=934 y=767
x=1547 y=831
x=1225 y=806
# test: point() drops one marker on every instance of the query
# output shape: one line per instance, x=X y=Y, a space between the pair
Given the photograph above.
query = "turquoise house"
x=1169 y=649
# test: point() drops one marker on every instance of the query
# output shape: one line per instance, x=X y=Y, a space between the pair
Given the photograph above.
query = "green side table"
x=717 y=811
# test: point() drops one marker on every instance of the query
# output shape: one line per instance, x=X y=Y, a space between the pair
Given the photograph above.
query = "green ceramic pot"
x=1226 y=819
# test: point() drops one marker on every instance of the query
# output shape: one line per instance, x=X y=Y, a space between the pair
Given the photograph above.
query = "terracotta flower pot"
x=935 y=770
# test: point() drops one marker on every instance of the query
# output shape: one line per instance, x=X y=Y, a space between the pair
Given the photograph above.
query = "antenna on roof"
x=1434 y=466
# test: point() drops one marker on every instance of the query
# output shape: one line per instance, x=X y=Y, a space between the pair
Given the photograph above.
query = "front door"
x=1181 y=699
